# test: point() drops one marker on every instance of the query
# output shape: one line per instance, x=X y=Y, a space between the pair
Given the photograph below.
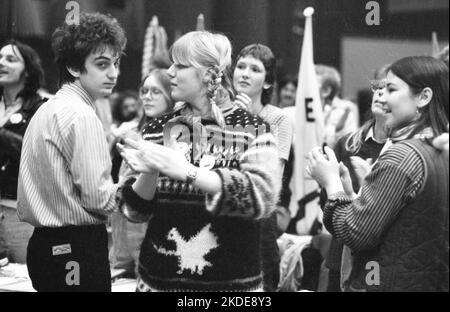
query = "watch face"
x=191 y=175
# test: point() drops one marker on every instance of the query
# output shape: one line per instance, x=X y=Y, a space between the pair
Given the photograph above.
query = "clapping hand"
x=346 y=180
x=321 y=169
x=441 y=142
x=362 y=167
x=148 y=157
x=134 y=153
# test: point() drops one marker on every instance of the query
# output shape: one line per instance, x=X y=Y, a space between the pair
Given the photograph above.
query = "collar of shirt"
x=370 y=135
x=267 y=110
x=426 y=133
x=404 y=133
x=74 y=89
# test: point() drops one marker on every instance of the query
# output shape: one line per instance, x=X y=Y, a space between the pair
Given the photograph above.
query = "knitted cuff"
x=339 y=197
x=334 y=200
x=214 y=202
x=235 y=199
x=134 y=201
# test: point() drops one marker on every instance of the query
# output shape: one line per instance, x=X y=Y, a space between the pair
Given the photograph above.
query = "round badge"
x=207 y=162
x=16 y=118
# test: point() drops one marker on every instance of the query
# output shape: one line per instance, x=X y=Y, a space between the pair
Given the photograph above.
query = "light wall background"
x=360 y=57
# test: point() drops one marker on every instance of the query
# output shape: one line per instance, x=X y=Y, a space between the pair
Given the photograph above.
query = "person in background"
x=340 y=116
x=399 y=221
x=65 y=189
x=287 y=91
x=126 y=107
x=21 y=77
x=154 y=95
x=253 y=79
x=443 y=55
x=357 y=151
x=126 y=114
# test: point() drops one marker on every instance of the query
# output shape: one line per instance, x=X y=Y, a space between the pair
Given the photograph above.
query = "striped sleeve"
x=252 y=191
x=394 y=181
x=90 y=165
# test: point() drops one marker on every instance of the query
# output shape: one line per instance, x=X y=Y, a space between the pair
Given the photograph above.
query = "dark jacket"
x=11 y=135
x=413 y=254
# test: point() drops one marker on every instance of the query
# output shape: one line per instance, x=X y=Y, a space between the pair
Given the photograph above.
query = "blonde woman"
x=207 y=180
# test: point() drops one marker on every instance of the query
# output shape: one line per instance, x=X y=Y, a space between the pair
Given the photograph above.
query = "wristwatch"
x=191 y=175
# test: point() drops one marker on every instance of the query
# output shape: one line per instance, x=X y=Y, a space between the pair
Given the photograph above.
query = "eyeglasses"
x=377 y=85
x=154 y=92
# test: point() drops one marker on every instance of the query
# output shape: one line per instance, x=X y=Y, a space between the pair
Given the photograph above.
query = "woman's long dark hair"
x=34 y=74
x=421 y=72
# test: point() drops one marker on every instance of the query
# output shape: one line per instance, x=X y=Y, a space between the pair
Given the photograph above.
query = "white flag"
x=309 y=129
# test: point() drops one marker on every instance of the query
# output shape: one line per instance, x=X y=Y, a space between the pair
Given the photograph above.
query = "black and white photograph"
x=224 y=147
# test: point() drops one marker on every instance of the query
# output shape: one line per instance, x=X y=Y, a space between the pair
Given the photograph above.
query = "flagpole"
x=435 y=49
x=200 y=22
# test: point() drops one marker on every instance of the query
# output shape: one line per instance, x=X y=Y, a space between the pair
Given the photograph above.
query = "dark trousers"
x=270 y=253
x=73 y=258
x=334 y=281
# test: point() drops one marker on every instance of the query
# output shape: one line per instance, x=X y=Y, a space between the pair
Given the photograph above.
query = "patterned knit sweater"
x=188 y=248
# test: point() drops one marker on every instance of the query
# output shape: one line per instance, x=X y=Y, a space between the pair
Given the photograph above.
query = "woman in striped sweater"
x=397 y=229
x=207 y=179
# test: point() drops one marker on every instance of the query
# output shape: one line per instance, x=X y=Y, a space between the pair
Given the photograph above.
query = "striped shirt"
x=281 y=128
x=395 y=180
x=65 y=166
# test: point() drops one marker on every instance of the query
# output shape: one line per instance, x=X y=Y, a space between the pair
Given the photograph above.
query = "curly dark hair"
x=34 y=75
x=266 y=56
x=72 y=44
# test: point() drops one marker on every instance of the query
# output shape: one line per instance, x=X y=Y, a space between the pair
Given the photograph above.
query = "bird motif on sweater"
x=191 y=253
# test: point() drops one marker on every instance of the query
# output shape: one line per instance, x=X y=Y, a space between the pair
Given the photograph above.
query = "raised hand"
x=243 y=101
x=133 y=152
x=346 y=180
x=362 y=168
x=321 y=169
x=441 y=143
x=148 y=157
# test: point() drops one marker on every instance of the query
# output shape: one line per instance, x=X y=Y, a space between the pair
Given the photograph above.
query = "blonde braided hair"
x=211 y=53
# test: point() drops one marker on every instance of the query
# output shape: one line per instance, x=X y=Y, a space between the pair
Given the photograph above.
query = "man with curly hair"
x=64 y=189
